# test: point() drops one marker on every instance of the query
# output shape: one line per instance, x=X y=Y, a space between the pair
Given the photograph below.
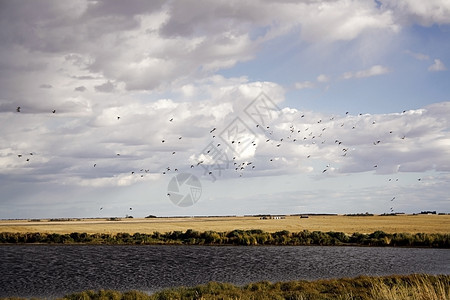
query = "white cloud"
x=304 y=85
x=423 y=12
x=373 y=71
x=147 y=63
x=323 y=78
x=416 y=55
x=437 y=66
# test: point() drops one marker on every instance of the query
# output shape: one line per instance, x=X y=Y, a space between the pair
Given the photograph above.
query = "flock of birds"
x=304 y=134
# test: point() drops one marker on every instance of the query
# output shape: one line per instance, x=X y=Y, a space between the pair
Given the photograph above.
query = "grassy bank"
x=236 y=237
x=408 y=287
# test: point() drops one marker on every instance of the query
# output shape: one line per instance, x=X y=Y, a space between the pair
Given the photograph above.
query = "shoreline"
x=237 y=237
x=396 y=287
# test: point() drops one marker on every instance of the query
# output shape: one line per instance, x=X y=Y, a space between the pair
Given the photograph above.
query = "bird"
x=392 y=199
x=131 y=208
x=101 y=208
x=162 y=141
x=212 y=130
x=173 y=152
x=18 y=109
x=19 y=155
x=54 y=111
x=31 y=153
x=180 y=137
x=95 y=165
x=28 y=159
x=171 y=120
x=118 y=118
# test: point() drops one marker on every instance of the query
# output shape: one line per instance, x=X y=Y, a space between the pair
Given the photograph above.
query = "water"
x=52 y=271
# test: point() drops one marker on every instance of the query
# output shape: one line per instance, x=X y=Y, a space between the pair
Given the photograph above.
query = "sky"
x=189 y=108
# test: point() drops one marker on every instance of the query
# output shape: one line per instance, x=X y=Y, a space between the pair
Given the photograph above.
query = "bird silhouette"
x=18 y=109
x=54 y=111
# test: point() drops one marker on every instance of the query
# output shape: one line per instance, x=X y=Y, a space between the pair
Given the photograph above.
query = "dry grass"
x=420 y=288
x=347 y=224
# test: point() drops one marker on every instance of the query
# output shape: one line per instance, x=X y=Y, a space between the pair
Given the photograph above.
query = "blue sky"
x=124 y=77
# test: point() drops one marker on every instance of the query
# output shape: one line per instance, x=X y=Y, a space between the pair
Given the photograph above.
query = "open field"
x=347 y=224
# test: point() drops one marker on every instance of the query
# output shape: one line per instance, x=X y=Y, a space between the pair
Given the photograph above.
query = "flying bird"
x=171 y=120
x=54 y=111
x=18 y=109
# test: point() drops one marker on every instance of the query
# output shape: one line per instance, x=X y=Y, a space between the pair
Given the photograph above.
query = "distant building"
x=276 y=217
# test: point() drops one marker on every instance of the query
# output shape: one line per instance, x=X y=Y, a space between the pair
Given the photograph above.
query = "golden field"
x=347 y=224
